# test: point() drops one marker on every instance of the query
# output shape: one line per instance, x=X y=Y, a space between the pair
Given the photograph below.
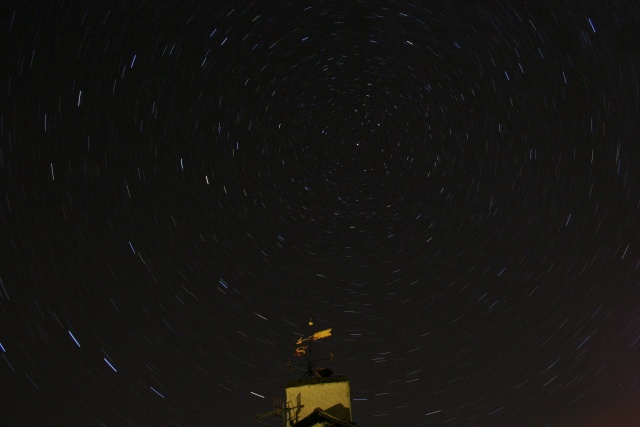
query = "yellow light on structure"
x=318 y=335
x=322 y=334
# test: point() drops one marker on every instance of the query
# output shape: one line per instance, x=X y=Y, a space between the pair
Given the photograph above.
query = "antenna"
x=281 y=409
x=278 y=411
x=310 y=369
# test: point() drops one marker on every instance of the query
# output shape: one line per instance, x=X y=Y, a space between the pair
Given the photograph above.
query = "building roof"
x=319 y=416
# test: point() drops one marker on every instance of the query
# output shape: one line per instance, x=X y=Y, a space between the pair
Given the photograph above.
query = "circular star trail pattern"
x=451 y=186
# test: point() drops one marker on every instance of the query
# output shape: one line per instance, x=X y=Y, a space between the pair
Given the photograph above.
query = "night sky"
x=452 y=186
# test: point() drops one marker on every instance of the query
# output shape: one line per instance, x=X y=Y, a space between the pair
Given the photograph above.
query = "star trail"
x=451 y=186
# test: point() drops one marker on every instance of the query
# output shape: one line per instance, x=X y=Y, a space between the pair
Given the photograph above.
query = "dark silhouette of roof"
x=319 y=416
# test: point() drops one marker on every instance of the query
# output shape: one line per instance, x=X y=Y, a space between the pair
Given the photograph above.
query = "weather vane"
x=284 y=409
x=310 y=369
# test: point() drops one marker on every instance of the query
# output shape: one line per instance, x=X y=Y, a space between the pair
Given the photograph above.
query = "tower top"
x=315 y=399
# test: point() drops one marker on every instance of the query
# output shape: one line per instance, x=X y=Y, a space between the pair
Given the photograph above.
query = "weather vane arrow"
x=316 y=336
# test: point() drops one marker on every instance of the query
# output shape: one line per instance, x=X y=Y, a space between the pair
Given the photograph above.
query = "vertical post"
x=310 y=359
